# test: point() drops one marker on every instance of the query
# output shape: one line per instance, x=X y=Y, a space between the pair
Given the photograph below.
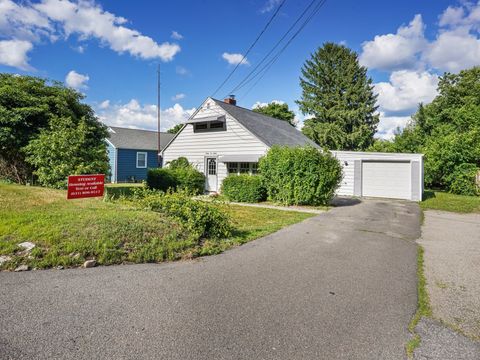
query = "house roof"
x=123 y=138
x=268 y=129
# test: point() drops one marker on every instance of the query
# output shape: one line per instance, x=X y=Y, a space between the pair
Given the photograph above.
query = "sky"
x=110 y=50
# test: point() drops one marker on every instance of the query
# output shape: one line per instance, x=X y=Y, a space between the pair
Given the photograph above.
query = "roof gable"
x=269 y=130
x=123 y=138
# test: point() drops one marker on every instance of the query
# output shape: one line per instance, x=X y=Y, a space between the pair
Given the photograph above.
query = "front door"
x=211 y=174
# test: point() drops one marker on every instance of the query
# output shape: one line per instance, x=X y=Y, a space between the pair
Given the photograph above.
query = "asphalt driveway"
x=341 y=285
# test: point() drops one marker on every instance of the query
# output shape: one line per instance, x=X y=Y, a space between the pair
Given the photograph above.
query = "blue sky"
x=109 y=50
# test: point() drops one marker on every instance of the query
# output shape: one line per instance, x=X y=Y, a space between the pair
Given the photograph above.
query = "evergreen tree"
x=338 y=96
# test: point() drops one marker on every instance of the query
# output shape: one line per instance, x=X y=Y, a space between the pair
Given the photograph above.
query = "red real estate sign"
x=83 y=186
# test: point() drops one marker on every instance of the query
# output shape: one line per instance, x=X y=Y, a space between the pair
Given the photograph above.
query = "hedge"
x=300 y=175
x=244 y=188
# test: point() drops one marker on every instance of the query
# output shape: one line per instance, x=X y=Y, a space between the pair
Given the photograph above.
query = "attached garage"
x=383 y=175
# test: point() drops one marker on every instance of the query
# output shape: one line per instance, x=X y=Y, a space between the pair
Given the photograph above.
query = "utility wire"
x=251 y=47
x=269 y=64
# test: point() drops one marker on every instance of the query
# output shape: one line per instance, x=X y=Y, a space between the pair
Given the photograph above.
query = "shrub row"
x=300 y=175
x=244 y=188
x=184 y=177
x=201 y=219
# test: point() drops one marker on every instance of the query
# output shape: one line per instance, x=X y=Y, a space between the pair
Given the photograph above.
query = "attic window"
x=209 y=126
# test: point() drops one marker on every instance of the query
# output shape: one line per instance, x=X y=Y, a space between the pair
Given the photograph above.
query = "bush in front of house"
x=244 y=188
x=182 y=176
x=462 y=180
x=202 y=219
x=180 y=163
x=161 y=179
x=300 y=175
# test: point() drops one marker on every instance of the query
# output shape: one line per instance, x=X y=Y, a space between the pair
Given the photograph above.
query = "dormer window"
x=209 y=124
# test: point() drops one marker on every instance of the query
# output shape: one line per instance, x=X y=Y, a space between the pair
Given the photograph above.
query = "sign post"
x=85 y=186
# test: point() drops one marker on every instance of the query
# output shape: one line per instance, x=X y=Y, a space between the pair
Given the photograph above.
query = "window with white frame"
x=141 y=160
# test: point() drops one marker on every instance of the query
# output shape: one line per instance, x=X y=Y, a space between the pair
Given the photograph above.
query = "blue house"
x=131 y=152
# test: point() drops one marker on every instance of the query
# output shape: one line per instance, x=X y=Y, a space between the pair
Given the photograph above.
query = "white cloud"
x=269 y=5
x=80 y=49
x=389 y=124
x=453 y=51
x=138 y=116
x=406 y=89
x=76 y=80
x=104 y=104
x=179 y=96
x=89 y=20
x=452 y=16
x=176 y=35
x=395 y=51
x=262 y=104
x=455 y=47
x=180 y=70
x=55 y=19
x=234 y=59
x=14 y=53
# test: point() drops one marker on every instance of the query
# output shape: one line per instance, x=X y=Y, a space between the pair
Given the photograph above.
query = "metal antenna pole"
x=158 y=117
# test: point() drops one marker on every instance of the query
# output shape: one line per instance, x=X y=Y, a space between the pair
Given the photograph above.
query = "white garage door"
x=386 y=179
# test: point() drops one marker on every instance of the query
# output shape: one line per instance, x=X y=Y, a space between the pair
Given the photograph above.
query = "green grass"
x=450 y=202
x=423 y=307
x=67 y=232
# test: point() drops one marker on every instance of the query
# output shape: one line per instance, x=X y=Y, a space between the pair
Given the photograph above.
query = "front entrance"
x=211 y=174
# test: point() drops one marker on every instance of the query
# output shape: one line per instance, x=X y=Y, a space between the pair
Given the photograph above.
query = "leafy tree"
x=67 y=148
x=34 y=112
x=447 y=131
x=175 y=129
x=277 y=111
x=339 y=97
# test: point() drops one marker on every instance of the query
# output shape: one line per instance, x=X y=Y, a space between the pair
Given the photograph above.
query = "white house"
x=221 y=138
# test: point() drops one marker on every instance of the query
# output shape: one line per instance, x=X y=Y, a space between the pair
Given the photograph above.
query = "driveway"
x=341 y=285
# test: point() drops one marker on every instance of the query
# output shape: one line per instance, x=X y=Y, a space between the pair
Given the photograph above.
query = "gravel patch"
x=452 y=258
x=442 y=343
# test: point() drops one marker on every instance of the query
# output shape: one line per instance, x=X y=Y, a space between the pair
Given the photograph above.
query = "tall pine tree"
x=338 y=97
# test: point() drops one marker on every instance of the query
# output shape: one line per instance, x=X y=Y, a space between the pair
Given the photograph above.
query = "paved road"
x=341 y=285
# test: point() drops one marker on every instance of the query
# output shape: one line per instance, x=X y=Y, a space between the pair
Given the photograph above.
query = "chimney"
x=230 y=100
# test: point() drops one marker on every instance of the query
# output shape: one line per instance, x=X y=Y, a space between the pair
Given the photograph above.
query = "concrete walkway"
x=341 y=285
x=452 y=269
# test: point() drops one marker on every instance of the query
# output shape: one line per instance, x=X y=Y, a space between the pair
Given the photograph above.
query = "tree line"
x=47 y=132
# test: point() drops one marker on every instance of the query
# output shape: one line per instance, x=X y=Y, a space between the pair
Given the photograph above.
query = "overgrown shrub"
x=180 y=178
x=189 y=179
x=300 y=175
x=161 y=179
x=202 y=219
x=244 y=188
x=179 y=163
x=462 y=180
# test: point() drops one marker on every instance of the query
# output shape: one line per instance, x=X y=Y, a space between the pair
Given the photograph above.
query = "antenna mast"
x=159 y=156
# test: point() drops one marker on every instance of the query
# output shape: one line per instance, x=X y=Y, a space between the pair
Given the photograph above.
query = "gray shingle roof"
x=123 y=138
x=270 y=130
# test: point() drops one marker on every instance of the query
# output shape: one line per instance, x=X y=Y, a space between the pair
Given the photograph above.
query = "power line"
x=252 y=75
x=251 y=47
x=269 y=64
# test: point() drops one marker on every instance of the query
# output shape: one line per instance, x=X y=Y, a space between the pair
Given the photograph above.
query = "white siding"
x=196 y=146
x=348 y=158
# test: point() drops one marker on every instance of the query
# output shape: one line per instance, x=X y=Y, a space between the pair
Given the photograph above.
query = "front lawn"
x=68 y=232
x=437 y=200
